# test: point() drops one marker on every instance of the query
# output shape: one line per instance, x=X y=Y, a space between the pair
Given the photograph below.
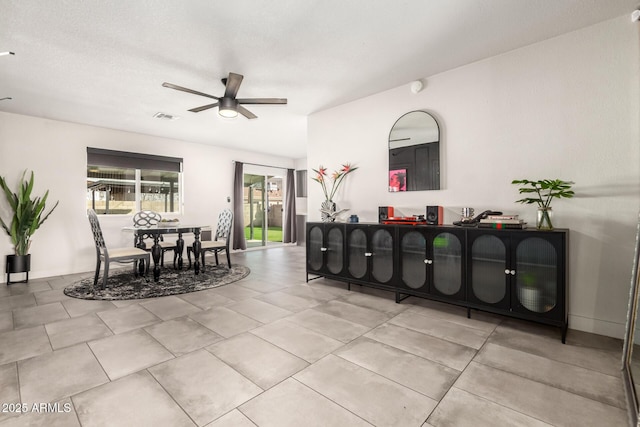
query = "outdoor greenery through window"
x=121 y=183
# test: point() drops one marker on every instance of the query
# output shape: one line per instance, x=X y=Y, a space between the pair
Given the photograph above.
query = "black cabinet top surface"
x=444 y=226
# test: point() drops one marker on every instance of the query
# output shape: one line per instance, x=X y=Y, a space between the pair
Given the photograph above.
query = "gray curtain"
x=289 y=227
x=239 y=241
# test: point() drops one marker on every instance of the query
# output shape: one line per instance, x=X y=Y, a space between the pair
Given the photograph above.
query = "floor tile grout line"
x=563 y=362
x=276 y=345
x=417 y=312
x=417 y=355
x=75 y=410
x=235 y=312
x=390 y=321
x=166 y=391
x=532 y=352
x=101 y=367
x=265 y=302
x=325 y=335
x=487 y=400
x=262 y=390
x=331 y=400
x=394 y=381
x=544 y=383
x=268 y=342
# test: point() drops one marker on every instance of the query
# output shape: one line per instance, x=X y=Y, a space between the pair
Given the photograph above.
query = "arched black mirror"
x=414 y=153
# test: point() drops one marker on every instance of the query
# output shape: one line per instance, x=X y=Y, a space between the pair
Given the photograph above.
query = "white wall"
x=56 y=152
x=564 y=108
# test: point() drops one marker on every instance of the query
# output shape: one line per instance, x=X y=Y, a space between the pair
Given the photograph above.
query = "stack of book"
x=500 y=222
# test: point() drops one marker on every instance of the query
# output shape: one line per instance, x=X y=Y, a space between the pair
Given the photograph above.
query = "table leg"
x=179 y=249
x=140 y=244
x=156 y=253
x=196 y=251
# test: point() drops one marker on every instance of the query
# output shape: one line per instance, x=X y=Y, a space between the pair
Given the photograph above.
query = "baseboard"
x=597 y=326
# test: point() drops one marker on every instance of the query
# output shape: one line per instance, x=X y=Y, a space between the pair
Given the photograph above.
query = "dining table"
x=156 y=231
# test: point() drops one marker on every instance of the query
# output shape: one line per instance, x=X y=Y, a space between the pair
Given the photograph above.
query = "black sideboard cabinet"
x=517 y=273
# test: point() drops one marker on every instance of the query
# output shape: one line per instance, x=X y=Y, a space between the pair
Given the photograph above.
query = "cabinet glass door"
x=335 y=245
x=382 y=262
x=447 y=264
x=357 y=263
x=488 y=265
x=413 y=248
x=314 y=248
x=536 y=275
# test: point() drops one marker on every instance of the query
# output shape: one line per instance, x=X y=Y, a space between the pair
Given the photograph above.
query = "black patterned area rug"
x=124 y=285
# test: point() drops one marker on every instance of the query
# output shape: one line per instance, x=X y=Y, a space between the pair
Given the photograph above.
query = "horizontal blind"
x=124 y=159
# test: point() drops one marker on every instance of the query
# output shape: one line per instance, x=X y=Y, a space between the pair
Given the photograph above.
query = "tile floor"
x=272 y=350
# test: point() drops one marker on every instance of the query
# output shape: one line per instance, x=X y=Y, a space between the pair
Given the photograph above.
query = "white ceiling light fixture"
x=6 y=53
x=416 y=86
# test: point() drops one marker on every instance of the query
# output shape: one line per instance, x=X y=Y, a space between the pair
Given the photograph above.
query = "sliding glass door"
x=263 y=208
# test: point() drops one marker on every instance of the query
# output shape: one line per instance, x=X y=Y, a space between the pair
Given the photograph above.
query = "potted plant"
x=328 y=208
x=543 y=191
x=28 y=216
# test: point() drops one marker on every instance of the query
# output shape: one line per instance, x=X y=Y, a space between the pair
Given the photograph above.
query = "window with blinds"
x=122 y=183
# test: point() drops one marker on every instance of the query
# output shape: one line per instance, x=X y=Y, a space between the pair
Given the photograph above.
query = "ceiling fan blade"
x=248 y=114
x=232 y=85
x=204 y=107
x=184 y=89
x=263 y=101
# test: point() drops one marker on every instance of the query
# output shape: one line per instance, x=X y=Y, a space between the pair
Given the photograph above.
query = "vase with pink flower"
x=328 y=209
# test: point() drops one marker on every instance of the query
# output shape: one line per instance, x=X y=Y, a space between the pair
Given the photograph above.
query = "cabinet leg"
x=564 y=332
x=348 y=286
x=468 y=313
x=401 y=297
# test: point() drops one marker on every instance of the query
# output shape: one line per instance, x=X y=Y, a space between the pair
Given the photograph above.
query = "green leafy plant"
x=28 y=213
x=545 y=190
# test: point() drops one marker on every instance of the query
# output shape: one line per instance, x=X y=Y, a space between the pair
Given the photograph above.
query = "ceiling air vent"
x=165 y=116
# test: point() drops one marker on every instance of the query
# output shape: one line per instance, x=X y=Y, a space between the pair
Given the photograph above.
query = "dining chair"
x=221 y=240
x=148 y=219
x=120 y=255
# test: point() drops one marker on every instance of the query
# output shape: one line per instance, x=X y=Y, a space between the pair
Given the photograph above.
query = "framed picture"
x=398 y=180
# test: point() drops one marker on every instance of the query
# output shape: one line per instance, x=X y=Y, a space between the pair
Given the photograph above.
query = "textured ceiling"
x=103 y=62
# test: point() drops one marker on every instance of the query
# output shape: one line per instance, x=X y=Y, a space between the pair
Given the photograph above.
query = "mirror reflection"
x=414 y=153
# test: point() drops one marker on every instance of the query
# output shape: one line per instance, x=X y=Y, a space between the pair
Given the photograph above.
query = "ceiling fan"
x=229 y=105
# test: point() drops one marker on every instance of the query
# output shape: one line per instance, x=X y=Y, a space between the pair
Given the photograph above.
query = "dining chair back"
x=145 y=219
x=120 y=255
x=150 y=219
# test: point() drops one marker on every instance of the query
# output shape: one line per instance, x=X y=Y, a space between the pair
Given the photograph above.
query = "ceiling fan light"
x=228 y=108
x=227 y=112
